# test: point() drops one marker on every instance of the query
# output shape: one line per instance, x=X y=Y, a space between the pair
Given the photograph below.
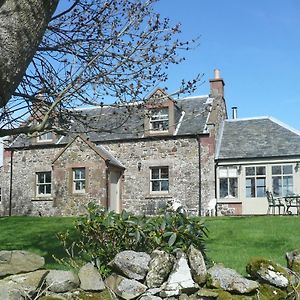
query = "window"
x=159 y=179
x=228 y=182
x=43 y=137
x=159 y=119
x=255 y=181
x=43 y=183
x=79 y=180
x=282 y=180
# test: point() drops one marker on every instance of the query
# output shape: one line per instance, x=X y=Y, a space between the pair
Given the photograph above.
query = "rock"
x=84 y=295
x=17 y=261
x=10 y=291
x=90 y=278
x=61 y=281
x=27 y=282
x=53 y=296
x=267 y=292
x=202 y=293
x=293 y=260
x=154 y=291
x=134 y=265
x=229 y=280
x=124 y=287
x=160 y=266
x=266 y=271
x=180 y=279
x=197 y=265
x=150 y=297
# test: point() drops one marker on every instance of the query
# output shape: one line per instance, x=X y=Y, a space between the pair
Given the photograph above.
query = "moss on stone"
x=49 y=298
x=104 y=295
x=268 y=292
x=258 y=263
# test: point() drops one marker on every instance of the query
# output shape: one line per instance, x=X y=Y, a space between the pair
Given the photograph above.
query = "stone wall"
x=138 y=275
x=62 y=201
x=25 y=165
x=179 y=154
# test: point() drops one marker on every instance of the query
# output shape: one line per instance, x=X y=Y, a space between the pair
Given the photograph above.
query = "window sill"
x=158 y=195
x=43 y=198
x=79 y=193
x=229 y=200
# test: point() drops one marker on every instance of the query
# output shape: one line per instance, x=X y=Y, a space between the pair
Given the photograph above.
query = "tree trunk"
x=22 y=26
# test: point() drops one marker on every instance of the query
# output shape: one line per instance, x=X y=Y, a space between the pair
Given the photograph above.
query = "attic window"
x=45 y=137
x=159 y=119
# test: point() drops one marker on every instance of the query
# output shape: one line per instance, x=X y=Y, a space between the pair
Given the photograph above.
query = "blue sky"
x=255 y=44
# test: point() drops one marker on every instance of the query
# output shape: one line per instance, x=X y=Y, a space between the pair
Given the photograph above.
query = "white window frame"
x=159 y=116
x=45 y=137
x=229 y=173
x=41 y=182
x=256 y=177
x=81 y=180
x=283 y=175
x=160 y=180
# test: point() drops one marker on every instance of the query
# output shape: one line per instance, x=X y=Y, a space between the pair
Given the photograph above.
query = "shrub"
x=101 y=234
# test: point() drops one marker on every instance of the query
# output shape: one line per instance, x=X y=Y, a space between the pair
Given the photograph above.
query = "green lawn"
x=36 y=234
x=232 y=240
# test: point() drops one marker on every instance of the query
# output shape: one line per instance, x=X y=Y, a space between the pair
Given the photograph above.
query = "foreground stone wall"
x=138 y=275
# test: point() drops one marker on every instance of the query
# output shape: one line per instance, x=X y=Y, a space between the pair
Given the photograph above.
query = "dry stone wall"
x=138 y=275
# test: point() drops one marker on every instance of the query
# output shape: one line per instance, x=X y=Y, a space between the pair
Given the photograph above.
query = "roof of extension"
x=261 y=137
x=191 y=116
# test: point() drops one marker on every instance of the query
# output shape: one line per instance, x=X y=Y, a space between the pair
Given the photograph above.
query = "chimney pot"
x=234 y=112
x=217 y=84
x=217 y=73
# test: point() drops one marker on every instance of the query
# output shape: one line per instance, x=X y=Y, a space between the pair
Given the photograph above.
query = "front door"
x=114 y=191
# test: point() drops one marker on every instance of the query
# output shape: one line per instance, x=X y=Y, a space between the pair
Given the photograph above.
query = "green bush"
x=101 y=234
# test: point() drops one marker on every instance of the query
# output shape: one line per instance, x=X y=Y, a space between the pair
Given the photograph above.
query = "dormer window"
x=45 y=137
x=159 y=119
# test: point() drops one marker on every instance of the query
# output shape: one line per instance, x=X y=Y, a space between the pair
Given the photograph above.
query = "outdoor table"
x=292 y=201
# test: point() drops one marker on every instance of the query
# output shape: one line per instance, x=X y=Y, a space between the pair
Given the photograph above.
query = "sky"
x=256 y=46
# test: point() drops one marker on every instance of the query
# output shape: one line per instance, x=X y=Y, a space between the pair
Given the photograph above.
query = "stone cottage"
x=165 y=150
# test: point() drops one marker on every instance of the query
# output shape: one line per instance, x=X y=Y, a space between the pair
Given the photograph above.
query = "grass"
x=35 y=234
x=232 y=240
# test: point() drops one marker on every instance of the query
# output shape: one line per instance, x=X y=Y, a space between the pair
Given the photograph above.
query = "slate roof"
x=191 y=116
x=263 y=137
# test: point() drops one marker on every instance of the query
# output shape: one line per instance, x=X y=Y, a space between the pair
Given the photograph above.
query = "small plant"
x=101 y=234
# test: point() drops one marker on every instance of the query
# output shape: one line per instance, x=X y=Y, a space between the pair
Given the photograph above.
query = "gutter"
x=200 y=183
x=11 y=182
x=216 y=186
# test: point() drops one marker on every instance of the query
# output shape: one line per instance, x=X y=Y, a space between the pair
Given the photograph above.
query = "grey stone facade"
x=179 y=154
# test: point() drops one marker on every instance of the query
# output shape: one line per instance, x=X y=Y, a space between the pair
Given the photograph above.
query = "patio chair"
x=274 y=202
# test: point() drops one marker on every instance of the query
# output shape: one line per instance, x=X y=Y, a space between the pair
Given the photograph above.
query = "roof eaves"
x=247 y=119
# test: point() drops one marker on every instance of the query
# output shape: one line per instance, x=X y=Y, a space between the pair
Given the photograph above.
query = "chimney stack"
x=234 y=112
x=217 y=84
